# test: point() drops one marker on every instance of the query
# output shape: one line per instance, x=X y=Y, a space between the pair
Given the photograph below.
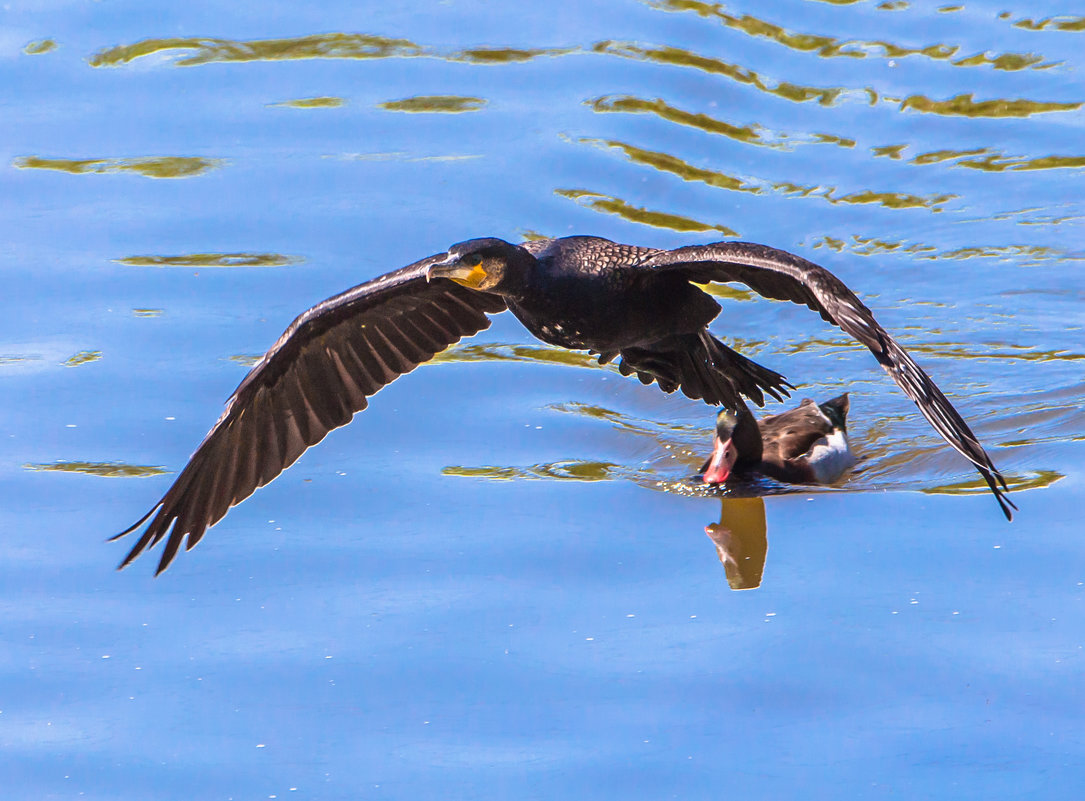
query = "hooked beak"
x=451 y=268
x=722 y=461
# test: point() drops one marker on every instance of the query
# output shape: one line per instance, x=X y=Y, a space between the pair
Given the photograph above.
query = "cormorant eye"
x=471 y=260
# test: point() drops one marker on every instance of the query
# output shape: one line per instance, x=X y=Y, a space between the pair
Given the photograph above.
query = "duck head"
x=737 y=445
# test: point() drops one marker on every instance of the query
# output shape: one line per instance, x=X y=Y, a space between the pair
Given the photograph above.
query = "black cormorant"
x=637 y=304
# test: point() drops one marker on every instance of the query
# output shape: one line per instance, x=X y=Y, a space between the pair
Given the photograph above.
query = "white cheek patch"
x=830 y=457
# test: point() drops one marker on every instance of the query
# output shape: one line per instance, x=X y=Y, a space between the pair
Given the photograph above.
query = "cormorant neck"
x=519 y=271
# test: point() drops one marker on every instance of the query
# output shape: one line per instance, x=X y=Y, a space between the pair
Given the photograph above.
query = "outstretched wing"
x=319 y=373
x=781 y=275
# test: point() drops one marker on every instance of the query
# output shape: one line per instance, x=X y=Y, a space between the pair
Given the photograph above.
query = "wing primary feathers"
x=319 y=373
x=781 y=275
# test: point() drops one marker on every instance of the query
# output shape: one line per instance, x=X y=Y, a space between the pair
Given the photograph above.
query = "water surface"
x=497 y=581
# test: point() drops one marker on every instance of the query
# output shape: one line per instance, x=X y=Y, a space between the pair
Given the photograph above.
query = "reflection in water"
x=1069 y=24
x=39 y=47
x=829 y=47
x=608 y=204
x=964 y=106
x=685 y=58
x=542 y=354
x=106 y=469
x=1039 y=479
x=565 y=469
x=310 y=102
x=687 y=172
x=206 y=50
x=741 y=541
x=211 y=260
x=982 y=158
x=1023 y=254
x=203 y=50
x=246 y=360
x=891 y=456
x=754 y=134
x=147 y=312
x=441 y=104
x=83 y=357
x=508 y=55
x=164 y=167
x=960 y=105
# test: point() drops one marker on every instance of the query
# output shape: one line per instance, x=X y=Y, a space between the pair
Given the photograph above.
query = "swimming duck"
x=805 y=445
x=636 y=304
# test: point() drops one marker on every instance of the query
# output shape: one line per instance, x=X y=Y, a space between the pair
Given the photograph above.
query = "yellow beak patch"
x=470 y=277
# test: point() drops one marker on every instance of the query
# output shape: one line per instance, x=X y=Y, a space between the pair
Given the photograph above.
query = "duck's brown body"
x=806 y=445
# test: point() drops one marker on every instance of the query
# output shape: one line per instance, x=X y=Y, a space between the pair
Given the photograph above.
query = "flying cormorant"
x=637 y=304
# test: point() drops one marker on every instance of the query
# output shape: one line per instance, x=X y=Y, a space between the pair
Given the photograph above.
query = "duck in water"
x=806 y=445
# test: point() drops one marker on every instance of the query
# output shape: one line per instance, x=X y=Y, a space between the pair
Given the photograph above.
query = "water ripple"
x=148 y=167
x=831 y=47
x=608 y=204
x=665 y=162
x=310 y=102
x=754 y=134
x=443 y=104
x=212 y=260
x=104 y=469
x=207 y=50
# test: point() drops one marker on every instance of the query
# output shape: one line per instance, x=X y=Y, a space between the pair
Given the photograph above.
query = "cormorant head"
x=482 y=264
x=737 y=442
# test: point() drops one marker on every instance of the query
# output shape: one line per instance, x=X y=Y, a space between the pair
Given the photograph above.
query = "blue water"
x=496 y=582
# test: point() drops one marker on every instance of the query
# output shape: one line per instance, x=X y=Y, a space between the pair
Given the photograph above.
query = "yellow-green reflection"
x=989 y=350
x=507 y=55
x=158 y=167
x=1038 y=480
x=685 y=58
x=203 y=50
x=657 y=219
x=5 y=360
x=211 y=260
x=246 y=359
x=741 y=540
x=39 y=47
x=830 y=47
x=748 y=134
x=1062 y=23
x=870 y=246
x=431 y=104
x=998 y=351
x=687 y=172
x=966 y=106
x=729 y=292
x=105 y=469
x=982 y=158
x=567 y=469
x=543 y=354
x=147 y=312
x=893 y=5
x=636 y=425
x=1033 y=252
x=83 y=357
x=311 y=102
